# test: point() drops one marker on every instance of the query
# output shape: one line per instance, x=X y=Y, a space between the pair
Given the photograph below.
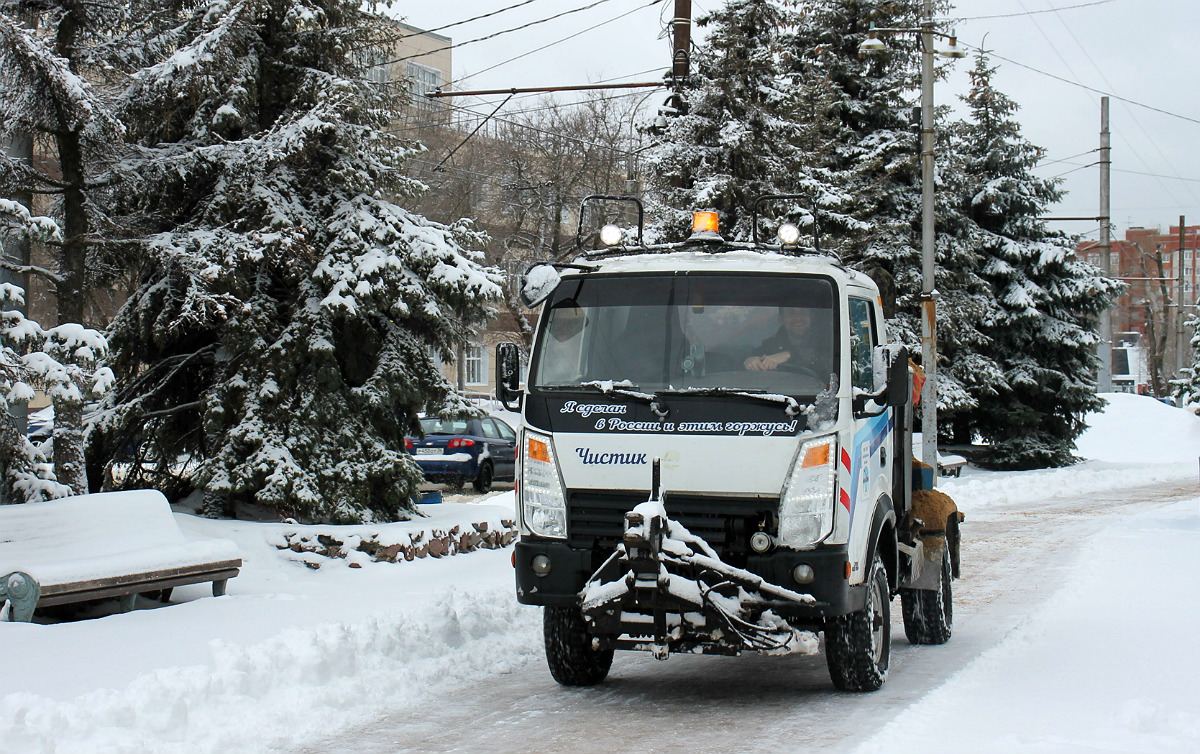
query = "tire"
x=483 y=481
x=858 y=646
x=929 y=613
x=569 y=652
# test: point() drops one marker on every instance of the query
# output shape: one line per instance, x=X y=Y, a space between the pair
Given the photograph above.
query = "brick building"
x=1150 y=262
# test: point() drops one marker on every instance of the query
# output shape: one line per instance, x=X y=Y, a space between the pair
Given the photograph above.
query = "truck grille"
x=596 y=518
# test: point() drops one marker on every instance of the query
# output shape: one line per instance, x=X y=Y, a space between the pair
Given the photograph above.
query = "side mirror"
x=892 y=381
x=899 y=386
x=537 y=284
x=508 y=374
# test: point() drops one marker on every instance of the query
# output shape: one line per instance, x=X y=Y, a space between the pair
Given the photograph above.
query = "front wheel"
x=858 y=646
x=569 y=652
x=929 y=613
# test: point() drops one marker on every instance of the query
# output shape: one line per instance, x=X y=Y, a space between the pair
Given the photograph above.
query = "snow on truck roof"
x=736 y=260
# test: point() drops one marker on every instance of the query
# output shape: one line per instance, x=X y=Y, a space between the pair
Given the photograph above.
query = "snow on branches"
x=61 y=362
x=289 y=326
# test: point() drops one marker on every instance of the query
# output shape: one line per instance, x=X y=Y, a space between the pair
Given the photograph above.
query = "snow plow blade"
x=675 y=594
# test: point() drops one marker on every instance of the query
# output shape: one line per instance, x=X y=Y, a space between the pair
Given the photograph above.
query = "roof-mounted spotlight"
x=611 y=235
x=789 y=234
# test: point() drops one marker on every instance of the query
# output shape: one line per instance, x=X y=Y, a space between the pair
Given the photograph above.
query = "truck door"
x=872 y=432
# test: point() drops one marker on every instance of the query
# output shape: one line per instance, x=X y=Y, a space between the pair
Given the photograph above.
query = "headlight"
x=543 y=504
x=806 y=505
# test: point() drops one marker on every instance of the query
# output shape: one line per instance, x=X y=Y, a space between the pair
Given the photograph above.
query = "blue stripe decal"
x=873 y=432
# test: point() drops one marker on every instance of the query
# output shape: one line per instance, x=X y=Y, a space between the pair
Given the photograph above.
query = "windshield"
x=770 y=333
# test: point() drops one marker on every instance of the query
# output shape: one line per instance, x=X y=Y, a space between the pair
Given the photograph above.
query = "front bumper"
x=570 y=568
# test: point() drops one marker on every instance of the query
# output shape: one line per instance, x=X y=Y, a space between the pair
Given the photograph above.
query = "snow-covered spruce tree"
x=742 y=136
x=285 y=333
x=875 y=155
x=1041 y=335
x=54 y=59
x=60 y=361
x=877 y=158
x=1187 y=387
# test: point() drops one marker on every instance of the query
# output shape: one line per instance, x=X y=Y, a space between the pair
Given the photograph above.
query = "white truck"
x=716 y=458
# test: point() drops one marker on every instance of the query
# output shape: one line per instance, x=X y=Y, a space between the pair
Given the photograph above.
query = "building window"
x=423 y=79
x=476 y=365
x=379 y=65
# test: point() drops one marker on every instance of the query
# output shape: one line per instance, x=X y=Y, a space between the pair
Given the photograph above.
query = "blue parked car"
x=455 y=450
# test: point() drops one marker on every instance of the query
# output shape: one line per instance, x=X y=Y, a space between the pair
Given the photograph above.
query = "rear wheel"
x=858 y=646
x=569 y=652
x=929 y=613
x=483 y=481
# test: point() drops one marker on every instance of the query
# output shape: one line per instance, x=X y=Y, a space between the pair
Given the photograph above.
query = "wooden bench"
x=113 y=544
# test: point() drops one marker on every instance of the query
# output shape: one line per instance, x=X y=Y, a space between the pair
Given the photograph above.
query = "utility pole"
x=1180 y=339
x=681 y=56
x=1104 y=380
x=929 y=427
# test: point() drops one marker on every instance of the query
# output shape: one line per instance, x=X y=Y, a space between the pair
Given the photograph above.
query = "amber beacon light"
x=705 y=222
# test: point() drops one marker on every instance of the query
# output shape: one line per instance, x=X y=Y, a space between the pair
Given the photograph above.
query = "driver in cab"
x=792 y=348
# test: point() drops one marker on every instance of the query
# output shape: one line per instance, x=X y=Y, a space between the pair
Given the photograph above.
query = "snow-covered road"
x=1016 y=559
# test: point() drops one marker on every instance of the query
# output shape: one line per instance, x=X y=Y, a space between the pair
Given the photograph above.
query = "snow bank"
x=1105 y=665
x=300 y=684
x=1140 y=429
x=290 y=654
x=1135 y=441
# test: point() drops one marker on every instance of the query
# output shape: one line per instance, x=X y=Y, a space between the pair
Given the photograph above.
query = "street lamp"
x=929 y=293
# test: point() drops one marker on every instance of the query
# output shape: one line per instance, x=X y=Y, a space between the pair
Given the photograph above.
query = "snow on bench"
x=112 y=544
x=948 y=464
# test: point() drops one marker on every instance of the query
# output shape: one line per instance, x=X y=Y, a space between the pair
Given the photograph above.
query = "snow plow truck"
x=716 y=458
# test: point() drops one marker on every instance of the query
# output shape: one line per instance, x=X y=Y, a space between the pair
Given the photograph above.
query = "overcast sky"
x=1140 y=50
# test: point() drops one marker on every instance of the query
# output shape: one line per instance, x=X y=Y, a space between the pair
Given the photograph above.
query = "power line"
x=1122 y=170
x=1032 y=12
x=496 y=34
x=1056 y=77
x=529 y=127
x=1064 y=159
x=487 y=103
x=468 y=20
x=425 y=125
x=1138 y=123
x=1058 y=53
x=560 y=41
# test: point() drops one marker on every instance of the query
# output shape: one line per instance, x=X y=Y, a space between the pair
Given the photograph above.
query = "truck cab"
x=747 y=391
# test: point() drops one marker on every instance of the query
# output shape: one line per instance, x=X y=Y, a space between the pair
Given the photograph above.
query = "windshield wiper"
x=790 y=405
x=624 y=389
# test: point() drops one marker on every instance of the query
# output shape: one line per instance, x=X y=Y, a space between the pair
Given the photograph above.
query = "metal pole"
x=1180 y=339
x=928 y=287
x=1104 y=379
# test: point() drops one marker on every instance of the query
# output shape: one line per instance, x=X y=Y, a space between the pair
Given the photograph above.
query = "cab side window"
x=862 y=339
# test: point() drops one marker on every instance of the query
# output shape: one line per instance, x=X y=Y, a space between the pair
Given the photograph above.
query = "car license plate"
x=429 y=451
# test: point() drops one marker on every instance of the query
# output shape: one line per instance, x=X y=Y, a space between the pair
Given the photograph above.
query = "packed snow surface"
x=294 y=654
